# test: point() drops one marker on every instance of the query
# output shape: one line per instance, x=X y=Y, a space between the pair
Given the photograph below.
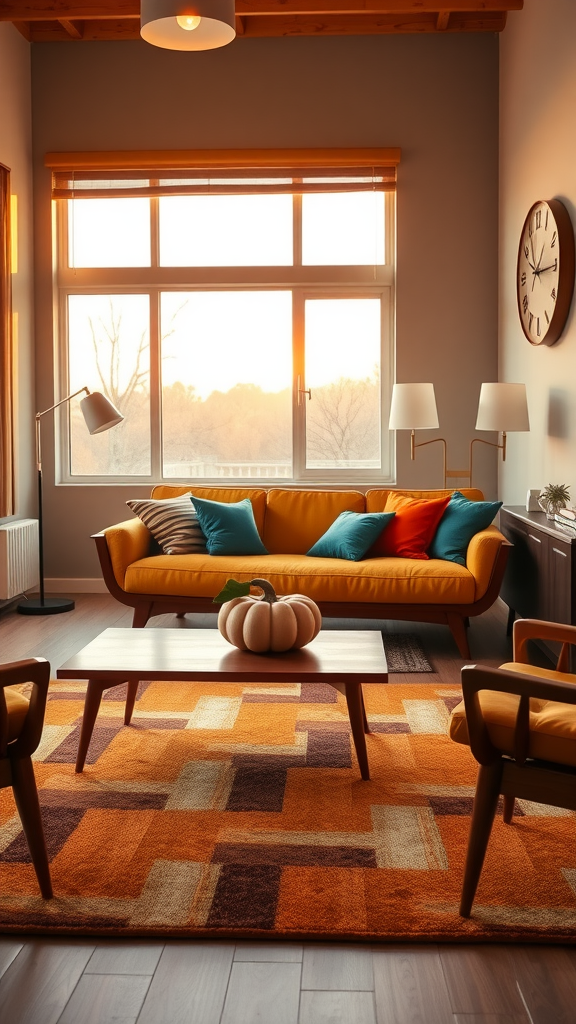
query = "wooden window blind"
x=221 y=172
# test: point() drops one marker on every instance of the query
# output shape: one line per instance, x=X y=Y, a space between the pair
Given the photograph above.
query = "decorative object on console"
x=545 y=272
x=266 y=622
x=532 y=499
x=188 y=24
x=553 y=498
x=99 y=415
x=413 y=407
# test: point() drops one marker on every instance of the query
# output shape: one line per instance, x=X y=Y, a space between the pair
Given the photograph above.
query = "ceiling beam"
x=73 y=30
x=267 y=27
x=95 y=10
x=442 y=21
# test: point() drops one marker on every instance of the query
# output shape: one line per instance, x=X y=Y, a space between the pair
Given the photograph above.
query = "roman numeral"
x=523 y=278
x=530 y=321
x=554 y=238
x=546 y=221
x=538 y=326
x=553 y=294
x=526 y=252
x=538 y=219
x=525 y=303
x=547 y=317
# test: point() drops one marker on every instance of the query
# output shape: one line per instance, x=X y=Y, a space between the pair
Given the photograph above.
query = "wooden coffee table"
x=343 y=658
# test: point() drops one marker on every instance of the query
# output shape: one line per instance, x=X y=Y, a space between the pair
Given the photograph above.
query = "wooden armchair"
x=21 y=722
x=520 y=723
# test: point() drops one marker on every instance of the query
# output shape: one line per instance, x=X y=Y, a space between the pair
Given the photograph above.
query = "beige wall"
x=16 y=153
x=435 y=97
x=537 y=161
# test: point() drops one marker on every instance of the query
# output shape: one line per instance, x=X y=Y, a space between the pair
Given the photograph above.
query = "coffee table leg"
x=364 y=715
x=91 y=707
x=355 y=703
x=130 y=700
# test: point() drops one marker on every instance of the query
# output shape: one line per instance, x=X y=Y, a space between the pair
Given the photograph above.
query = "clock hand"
x=544 y=269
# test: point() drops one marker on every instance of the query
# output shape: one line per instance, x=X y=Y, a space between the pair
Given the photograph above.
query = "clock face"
x=545 y=272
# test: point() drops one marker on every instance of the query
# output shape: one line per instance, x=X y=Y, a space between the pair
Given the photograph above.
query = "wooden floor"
x=45 y=981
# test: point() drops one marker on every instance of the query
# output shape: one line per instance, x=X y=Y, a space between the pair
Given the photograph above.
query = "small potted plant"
x=553 y=498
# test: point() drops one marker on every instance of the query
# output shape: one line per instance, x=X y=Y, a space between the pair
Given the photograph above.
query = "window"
x=240 y=319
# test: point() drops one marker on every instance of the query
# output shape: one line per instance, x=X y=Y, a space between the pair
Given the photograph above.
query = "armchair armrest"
x=538 y=629
x=37 y=672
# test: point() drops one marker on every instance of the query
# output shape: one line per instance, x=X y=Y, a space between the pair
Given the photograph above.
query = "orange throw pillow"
x=410 y=533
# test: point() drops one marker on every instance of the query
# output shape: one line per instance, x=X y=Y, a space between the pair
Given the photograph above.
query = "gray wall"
x=16 y=153
x=435 y=97
x=537 y=161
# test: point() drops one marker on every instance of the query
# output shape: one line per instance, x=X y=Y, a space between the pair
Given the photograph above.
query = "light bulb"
x=188 y=21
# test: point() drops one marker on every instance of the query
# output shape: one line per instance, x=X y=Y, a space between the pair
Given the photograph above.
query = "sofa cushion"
x=350 y=535
x=375 y=580
x=172 y=522
x=376 y=497
x=412 y=529
x=229 y=527
x=461 y=520
x=257 y=496
x=295 y=519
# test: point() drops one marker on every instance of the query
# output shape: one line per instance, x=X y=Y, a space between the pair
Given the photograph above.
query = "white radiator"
x=18 y=557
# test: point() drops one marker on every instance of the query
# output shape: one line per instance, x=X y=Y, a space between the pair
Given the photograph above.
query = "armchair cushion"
x=17 y=707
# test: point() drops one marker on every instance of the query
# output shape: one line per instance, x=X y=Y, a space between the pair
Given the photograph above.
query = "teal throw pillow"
x=461 y=520
x=229 y=527
x=351 y=535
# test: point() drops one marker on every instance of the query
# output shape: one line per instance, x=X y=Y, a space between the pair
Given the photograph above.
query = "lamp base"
x=49 y=606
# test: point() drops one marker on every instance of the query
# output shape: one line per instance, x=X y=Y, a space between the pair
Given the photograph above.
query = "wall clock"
x=545 y=271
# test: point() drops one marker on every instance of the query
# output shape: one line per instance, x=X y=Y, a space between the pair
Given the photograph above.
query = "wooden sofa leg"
x=141 y=615
x=508 y=809
x=458 y=630
x=485 y=803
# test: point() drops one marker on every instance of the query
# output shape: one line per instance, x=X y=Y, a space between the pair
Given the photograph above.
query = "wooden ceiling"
x=77 y=20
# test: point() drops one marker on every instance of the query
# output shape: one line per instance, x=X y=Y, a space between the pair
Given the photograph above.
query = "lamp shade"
x=99 y=413
x=503 y=407
x=413 y=407
x=188 y=24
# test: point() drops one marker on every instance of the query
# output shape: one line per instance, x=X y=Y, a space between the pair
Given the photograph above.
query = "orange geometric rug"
x=237 y=811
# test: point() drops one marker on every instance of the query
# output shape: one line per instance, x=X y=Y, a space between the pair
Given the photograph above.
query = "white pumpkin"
x=267 y=622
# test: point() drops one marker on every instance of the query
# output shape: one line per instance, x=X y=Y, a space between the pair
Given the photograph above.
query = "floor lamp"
x=99 y=415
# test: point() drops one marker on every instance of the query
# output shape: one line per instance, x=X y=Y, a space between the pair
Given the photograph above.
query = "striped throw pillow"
x=172 y=522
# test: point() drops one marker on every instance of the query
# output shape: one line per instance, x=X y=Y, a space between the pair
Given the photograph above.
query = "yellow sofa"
x=289 y=522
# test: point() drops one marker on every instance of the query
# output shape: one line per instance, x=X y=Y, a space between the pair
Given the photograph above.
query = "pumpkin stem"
x=269 y=592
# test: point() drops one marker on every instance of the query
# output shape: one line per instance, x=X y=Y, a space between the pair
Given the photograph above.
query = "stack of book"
x=566 y=519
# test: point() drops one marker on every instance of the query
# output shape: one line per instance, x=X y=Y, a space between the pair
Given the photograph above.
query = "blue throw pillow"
x=461 y=520
x=351 y=535
x=229 y=527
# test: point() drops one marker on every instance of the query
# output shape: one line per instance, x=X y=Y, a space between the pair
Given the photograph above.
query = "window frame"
x=358 y=281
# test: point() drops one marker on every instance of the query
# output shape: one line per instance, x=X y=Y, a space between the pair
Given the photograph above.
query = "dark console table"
x=540 y=577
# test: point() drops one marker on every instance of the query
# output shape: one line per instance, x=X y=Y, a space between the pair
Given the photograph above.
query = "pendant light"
x=188 y=24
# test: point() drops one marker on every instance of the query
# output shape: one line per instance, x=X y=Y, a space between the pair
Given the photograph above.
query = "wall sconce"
x=188 y=24
x=502 y=407
x=413 y=407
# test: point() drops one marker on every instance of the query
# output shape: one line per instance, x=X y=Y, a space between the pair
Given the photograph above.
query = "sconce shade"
x=413 y=407
x=503 y=407
x=99 y=413
x=158 y=24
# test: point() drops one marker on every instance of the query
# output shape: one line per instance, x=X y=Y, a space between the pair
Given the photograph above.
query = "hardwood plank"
x=189 y=984
x=123 y=958
x=109 y=999
x=338 y=968
x=262 y=992
x=337 y=1008
x=9 y=949
x=410 y=986
x=273 y=952
x=546 y=979
x=481 y=979
x=490 y=1018
x=40 y=981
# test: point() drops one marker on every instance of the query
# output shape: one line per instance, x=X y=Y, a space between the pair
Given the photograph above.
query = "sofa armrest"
x=126 y=543
x=483 y=550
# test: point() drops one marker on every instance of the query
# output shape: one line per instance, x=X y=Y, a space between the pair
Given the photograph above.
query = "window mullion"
x=155 y=387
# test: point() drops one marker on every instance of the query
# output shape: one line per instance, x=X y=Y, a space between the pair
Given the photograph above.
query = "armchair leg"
x=485 y=802
x=28 y=806
x=508 y=809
